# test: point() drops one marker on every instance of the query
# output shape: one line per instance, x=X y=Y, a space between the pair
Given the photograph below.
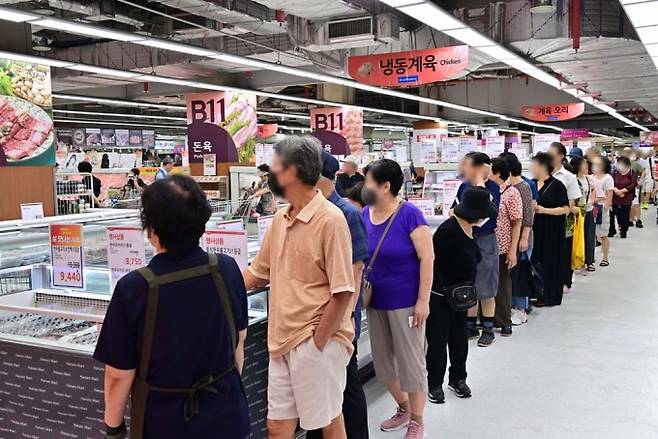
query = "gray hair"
x=304 y=153
x=167 y=161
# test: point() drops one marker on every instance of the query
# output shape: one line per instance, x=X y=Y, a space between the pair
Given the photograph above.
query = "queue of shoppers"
x=510 y=243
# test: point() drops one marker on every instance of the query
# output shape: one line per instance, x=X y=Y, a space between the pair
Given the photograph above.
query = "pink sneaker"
x=415 y=431
x=398 y=421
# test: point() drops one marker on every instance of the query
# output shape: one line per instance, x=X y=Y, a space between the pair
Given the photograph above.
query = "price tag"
x=450 y=188
x=425 y=205
x=233 y=225
x=209 y=164
x=494 y=145
x=228 y=242
x=66 y=255
x=263 y=224
x=125 y=251
x=31 y=211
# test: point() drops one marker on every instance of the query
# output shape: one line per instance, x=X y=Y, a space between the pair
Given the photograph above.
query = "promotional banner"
x=574 y=133
x=222 y=123
x=411 y=68
x=93 y=137
x=148 y=139
x=425 y=205
x=494 y=145
x=450 y=188
x=264 y=153
x=135 y=137
x=122 y=137
x=228 y=242
x=552 y=112
x=66 y=255
x=125 y=251
x=263 y=224
x=27 y=136
x=541 y=142
x=340 y=129
x=108 y=136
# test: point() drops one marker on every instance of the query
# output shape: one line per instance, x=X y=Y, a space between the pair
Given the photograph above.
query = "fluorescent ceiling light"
x=643 y=13
x=16 y=15
x=118 y=102
x=470 y=37
x=131 y=116
x=105 y=71
x=118 y=123
x=34 y=59
x=649 y=34
x=87 y=30
x=176 y=47
x=166 y=80
x=398 y=3
x=652 y=49
x=433 y=16
x=284 y=115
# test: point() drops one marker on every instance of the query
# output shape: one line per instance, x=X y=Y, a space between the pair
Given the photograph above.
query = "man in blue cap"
x=355 y=407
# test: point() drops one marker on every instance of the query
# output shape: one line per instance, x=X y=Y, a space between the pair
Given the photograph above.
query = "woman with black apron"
x=174 y=330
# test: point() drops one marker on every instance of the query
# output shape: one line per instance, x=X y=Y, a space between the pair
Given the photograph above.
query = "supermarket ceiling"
x=523 y=52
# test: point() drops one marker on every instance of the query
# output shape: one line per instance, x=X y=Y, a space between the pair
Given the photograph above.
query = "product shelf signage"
x=574 y=133
x=228 y=242
x=410 y=68
x=264 y=224
x=66 y=255
x=125 y=251
x=552 y=112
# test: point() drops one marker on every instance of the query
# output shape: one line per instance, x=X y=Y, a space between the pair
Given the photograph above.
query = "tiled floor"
x=587 y=369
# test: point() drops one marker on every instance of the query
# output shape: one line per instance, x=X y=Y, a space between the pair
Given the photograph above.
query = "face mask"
x=274 y=185
x=369 y=196
x=482 y=223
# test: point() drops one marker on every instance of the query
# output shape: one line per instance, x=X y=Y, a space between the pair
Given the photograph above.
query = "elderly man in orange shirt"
x=306 y=257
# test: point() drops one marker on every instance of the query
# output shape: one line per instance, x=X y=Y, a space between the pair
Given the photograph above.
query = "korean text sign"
x=125 y=251
x=347 y=122
x=66 y=255
x=398 y=69
x=228 y=242
x=552 y=112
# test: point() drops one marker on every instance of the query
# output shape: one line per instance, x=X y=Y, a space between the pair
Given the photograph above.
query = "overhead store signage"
x=414 y=67
x=228 y=242
x=574 y=133
x=552 y=112
x=66 y=256
x=125 y=251
x=649 y=138
x=221 y=123
x=340 y=129
x=27 y=136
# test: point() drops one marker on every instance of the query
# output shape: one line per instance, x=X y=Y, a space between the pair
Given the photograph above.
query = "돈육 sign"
x=415 y=67
x=552 y=112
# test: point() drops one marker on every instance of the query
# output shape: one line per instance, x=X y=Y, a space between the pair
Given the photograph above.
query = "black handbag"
x=460 y=297
x=527 y=280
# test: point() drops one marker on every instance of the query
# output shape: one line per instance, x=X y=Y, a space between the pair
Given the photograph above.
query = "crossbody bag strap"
x=224 y=299
x=381 y=240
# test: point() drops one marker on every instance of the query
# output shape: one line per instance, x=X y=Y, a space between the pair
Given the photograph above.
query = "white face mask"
x=482 y=223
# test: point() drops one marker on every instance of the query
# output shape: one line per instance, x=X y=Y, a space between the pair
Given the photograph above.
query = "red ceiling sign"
x=415 y=67
x=552 y=112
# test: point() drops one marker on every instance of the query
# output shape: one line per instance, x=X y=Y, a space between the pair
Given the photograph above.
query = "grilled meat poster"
x=27 y=136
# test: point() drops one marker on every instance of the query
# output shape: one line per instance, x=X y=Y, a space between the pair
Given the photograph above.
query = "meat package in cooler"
x=23 y=128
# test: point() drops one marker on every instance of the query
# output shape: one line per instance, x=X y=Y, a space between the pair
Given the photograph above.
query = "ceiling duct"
x=542 y=7
x=344 y=34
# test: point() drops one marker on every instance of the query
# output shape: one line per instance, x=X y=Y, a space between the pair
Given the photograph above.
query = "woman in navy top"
x=185 y=373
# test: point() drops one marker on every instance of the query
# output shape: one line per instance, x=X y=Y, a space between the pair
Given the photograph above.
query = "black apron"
x=141 y=388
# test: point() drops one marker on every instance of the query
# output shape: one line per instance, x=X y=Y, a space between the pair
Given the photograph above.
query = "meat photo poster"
x=27 y=137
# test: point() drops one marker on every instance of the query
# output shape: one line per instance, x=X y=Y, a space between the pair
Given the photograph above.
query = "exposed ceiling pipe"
x=93 y=12
x=574 y=23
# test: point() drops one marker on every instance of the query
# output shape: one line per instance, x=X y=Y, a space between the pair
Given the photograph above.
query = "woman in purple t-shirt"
x=401 y=280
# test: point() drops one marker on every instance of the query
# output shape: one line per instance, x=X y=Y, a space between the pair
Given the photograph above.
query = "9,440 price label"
x=66 y=255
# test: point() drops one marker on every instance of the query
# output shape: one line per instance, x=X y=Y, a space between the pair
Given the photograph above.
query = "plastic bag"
x=578 y=251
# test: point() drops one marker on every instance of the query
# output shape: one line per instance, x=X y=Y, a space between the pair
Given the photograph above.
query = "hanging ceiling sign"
x=574 y=133
x=552 y=112
x=221 y=123
x=648 y=138
x=340 y=129
x=414 y=67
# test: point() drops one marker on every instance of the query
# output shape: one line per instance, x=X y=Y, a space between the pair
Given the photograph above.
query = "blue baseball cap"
x=330 y=165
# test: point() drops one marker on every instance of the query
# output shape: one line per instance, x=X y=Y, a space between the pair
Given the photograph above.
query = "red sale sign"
x=552 y=112
x=414 y=67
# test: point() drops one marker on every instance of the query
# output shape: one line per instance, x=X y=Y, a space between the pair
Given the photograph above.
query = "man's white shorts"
x=308 y=384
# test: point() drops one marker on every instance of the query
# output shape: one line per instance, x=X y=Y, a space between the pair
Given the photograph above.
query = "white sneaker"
x=517 y=319
x=524 y=315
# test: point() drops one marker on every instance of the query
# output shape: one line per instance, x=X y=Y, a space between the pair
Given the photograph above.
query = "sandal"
x=604 y=263
x=590 y=267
